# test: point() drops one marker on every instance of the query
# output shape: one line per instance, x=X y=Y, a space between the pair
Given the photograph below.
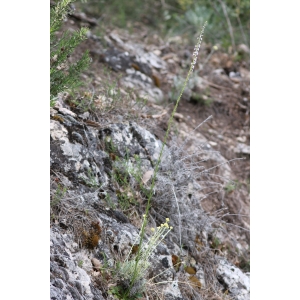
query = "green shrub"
x=180 y=17
x=193 y=14
x=63 y=74
x=133 y=271
x=59 y=194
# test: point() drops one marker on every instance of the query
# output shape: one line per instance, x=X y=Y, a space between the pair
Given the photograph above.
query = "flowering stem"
x=142 y=232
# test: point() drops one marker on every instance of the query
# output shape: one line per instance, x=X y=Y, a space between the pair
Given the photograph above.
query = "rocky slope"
x=93 y=162
x=102 y=160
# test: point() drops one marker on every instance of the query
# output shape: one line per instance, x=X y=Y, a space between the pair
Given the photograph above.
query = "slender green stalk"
x=195 y=55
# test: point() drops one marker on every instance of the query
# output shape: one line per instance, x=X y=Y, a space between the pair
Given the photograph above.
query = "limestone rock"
x=86 y=166
x=233 y=279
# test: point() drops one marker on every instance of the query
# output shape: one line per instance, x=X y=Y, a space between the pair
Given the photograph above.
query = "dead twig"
x=229 y=24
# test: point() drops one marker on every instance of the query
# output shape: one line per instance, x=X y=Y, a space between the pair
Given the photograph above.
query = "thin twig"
x=229 y=24
x=179 y=218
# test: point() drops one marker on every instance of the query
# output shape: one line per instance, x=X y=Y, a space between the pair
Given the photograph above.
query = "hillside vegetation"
x=150 y=155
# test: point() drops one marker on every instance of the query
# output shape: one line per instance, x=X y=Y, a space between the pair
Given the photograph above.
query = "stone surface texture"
x=83 y=159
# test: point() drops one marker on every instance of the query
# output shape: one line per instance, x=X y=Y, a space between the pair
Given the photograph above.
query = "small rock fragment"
x=96 y=263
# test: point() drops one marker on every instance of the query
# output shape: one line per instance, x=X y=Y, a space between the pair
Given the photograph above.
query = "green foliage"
x=232 y=186
x=109 y=201
x=59 y=194
x=244 y=264
x=123 y=171
x=111 y=100
x=133 y=270
x=126 y=200
x=120 y=293
x=56 y=200
x=189 y=21
x=184 y=4
x=201 y=99
x=109 y=146
x=180 y=17
x=91 y=179
x=125 y=13
x=115 y=291
x=215 y=243
x=80 y=263
x=63 y=74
